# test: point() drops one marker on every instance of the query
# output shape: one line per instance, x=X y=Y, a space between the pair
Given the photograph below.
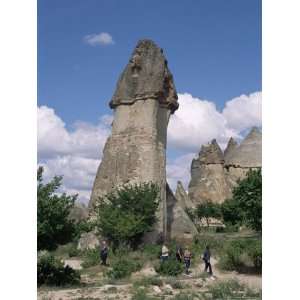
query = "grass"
x=232 y=289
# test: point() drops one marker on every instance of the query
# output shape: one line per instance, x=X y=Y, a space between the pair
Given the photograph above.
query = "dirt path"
x=194 y=282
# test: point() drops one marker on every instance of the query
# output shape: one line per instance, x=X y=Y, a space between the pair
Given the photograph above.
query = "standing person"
x=187 y=260
x=164 y=253
x=206 y=258
x=179 y=253
x=104 y=253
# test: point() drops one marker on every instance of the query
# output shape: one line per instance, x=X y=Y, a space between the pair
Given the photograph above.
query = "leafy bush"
x=146 y=281
x=236 y=253
x=152 y=251
x=122 y=268
x=141 y=294
x=208 y=210
x=170 y=267
x=73 y=251
x=53 y=225
x=231 y=289
x=255 y=254
x=91 y=257
x=200 y=241
x=51 y=271
x=82 y=227
x=245 y=206
x=127 y=213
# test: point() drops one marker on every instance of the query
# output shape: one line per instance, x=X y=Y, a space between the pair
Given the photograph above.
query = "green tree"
x=53 y=225
x=126 y=214
x=208 y=210
x=245 y=206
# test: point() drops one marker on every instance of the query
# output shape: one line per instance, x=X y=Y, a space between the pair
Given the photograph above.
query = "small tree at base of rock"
x=245 y=206
x=53 y=224
x=207 y=210
x=127 y=213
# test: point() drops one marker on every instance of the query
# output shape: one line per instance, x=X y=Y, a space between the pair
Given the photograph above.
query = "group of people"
x=182 y=256
x=186 y=256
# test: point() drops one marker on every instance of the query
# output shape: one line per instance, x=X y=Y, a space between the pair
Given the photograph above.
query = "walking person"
x=206 y=258
x=179 y=253
x=164 y=253
x=104 y=253
x=187 y=259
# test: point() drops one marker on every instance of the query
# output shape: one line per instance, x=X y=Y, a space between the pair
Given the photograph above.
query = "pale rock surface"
x=182 y=197
x=135 y=152
x=208 y=180
x=179 y=224
x=88 y=240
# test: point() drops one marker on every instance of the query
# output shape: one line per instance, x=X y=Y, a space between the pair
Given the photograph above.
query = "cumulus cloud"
x=102 y=38
x=198 y=121
x=76 y=153
x=84 y=139
x=243 y=112
x=179 y=169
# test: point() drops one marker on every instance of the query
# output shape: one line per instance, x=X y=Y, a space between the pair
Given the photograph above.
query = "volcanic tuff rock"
x=231 y=146
x=208 y=182
x=179 y=224
x=182 y=196
x=214 y=175
x=244 y=157
x=144 y=99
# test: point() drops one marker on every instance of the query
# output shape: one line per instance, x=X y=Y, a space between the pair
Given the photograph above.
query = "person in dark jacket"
x=179 y=253
x=206 y=258
x=104 y=253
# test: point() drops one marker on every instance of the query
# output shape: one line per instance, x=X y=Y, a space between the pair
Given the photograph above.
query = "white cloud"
x=244 y=111
x=84 y=140
x=102 y=38
x=76 y=153
x=198 y=121
x=179 y=169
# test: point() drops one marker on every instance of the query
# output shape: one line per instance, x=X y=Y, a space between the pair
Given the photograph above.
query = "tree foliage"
x=208 y=210
x=126 y=214
x=53 y=225
x=245 y=206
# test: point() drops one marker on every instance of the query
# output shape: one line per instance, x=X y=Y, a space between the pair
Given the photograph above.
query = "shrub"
x=200 y=241
x=245 y=206
x=73 y=251
x=51 y=271
x=127 y=213
x=141 y=294
x=208 y=210
x=91 y=257
x=231 y=289
x=122 y=268
x=152 y=251
x=146 y=281
x=237 y=252
x=170 y=267
x=255 y=254
x=53 y=224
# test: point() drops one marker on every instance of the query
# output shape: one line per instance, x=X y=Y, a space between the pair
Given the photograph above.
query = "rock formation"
x=182 y=197
x=208 y=180
x=144 y=99
x=179 y=224
x=214 y=174
x=244 y=157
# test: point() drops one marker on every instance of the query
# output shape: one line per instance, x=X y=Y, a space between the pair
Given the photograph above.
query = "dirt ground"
x=97 y=288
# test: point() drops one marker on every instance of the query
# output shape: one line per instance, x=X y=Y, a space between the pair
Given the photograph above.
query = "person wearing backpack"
x=206 y=258
x=104 y=253
x=187 y=260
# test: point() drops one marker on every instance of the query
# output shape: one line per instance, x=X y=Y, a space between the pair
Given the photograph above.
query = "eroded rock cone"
x=135 y=152
x=208 y=181
x=182 y=197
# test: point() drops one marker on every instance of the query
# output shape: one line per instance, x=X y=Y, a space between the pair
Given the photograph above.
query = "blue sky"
x=214 y=52
x=213 y=48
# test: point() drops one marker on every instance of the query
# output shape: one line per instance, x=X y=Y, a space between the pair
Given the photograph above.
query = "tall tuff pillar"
x=136 y=150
